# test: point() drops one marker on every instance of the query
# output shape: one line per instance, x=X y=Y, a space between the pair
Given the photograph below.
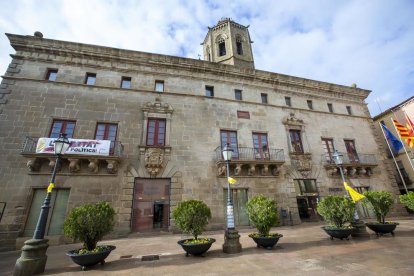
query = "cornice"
x=33 y=44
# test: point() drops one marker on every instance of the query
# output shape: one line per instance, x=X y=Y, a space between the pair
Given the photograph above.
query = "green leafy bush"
x=263 y=214
x=89 y=223
x=408 y=200
x=338 y=211
x=380 y=202
x=192 y=216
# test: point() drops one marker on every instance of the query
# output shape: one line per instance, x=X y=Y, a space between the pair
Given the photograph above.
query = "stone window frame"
x=288 y=101
x=330 y=107
x=106 y=133
x=349 y=109
x=238 y=94
x=90 y=76
x=209 y=91
x=157 y=110
x=124 y=81
x=310 y=104
x=157 y=84
x=239 y=45
x=51 y=72
x=221 y=46
x=264 y=98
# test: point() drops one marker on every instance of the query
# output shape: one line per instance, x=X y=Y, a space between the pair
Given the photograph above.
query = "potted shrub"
x=89 y=223
x=380 y=202
x=191 y=217
x=338 y=212
x=408 y=200
x=262 y=212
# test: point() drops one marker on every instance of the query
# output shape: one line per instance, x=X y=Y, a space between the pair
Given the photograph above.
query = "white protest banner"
x=77 y=146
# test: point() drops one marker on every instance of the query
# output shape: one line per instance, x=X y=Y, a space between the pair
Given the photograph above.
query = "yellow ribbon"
x=50 y=187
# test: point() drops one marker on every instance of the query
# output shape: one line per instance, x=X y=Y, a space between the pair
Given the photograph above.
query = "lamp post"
x=360 y=228
x=33 y=258
x=231 y=236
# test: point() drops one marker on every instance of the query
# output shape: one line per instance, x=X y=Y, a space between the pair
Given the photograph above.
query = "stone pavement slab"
x=304 y=250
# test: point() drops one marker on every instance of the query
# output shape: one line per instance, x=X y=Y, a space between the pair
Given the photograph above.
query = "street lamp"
x=231 y=236
x=33 y=258
x=360 y=228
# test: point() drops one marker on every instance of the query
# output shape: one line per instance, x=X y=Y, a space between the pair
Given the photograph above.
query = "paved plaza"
x=304 y=250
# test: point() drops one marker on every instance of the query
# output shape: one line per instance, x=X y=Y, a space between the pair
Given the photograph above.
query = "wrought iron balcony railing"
x=251 y=154
x=352 y=159
x=29 y=147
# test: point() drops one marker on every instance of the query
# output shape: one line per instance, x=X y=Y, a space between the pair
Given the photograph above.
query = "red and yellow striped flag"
x=405 y=133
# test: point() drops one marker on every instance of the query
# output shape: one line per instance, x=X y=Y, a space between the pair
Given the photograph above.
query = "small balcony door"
x=351 y=150
x=328 y=147
x=230 y=137
x=260 y=145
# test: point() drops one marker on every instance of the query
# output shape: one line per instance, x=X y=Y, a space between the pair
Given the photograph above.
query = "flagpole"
x=392 y=154
x=408 y=157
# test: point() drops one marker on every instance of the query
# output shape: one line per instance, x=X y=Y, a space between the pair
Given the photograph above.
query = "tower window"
x=222 y=47
x=310 y=104
x=239 y=46
x=330 y=107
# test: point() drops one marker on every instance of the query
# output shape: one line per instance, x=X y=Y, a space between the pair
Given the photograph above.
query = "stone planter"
x=339 y=233
x=196 y=249
x=90 y=259
x=266 y=242
x=381 y=229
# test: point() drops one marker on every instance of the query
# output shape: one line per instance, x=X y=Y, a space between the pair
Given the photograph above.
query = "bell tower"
x=229 y=43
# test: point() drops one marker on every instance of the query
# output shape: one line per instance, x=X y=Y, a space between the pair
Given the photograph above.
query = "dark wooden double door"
x=151 y=205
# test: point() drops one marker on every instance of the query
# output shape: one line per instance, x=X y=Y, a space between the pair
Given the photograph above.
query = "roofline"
x=396 y=107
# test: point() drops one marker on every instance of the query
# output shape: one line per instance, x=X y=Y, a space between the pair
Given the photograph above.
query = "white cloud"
x=370 y=43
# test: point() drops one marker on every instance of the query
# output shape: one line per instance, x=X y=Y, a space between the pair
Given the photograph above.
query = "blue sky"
x=370 y=43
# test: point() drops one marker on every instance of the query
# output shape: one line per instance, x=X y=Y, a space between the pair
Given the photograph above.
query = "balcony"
x=354 y=165
x=251 y=162
x=79 y=163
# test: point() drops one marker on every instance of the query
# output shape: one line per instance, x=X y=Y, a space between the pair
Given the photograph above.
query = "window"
x=400 y=167
x=328 y=147
x=159 y=86
x=90 y=78
x=156 y=132
x=288 y=101
x=57 y=212
x=62 y=126
x=349 y=110
x=238 y=94
x=351 y=150
x=306 y=186
x=126 y=82
x=330 y=107
x=239 y=46
x=296 y=140
x=209 y=91
x=230 y=137
x=310 y=104
x=260 y=145
x=264 y=98
x=221 y=47
x=106 y=131
x=51 y=74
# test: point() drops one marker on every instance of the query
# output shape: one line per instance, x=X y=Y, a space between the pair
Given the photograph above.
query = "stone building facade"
x=404 y=159
x=168 y=118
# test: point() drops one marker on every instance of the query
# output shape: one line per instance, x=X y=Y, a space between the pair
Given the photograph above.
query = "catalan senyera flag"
x=354 y=194
x=231 y=180
x=405 y=133
x=410 y=124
